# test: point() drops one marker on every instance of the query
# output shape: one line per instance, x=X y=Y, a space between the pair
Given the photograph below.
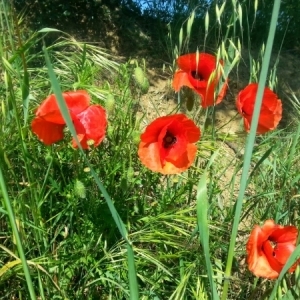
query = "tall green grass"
x=97 y=224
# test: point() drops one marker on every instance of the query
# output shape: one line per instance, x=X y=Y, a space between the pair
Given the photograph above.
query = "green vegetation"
x=97 y=224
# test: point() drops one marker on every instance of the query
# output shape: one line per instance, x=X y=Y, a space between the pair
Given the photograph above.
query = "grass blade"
x=65 y=113
x=15 y=231
x=202 y=218
x=250 y=145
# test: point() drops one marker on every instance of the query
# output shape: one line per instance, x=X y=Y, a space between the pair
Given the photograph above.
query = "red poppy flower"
x=271 y=109
x=89 y=121
x=167 y=145
x=90 y=126
x=198 y=72
x=269 y=247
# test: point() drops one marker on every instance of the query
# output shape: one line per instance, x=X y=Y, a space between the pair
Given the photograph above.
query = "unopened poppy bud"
x=79 y=189
x=110 y=131
x=136 y=137
x=130 y=173
x=110 y=103
x=188 y=97
x=141 y=79
x=48 y=158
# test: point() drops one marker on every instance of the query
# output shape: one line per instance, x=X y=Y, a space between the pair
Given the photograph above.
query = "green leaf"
x=25 y=95
x=250 y=145
x=202 y=218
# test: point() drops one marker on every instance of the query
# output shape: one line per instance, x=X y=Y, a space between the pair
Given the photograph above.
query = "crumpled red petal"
x=76 y=102
x=150 y=156
x=47 y=132
x=271 y=109
x=90 y=126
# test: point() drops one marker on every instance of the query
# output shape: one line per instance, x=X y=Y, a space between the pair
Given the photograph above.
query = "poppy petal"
x=90 y=125
x=47 y=132
x=222 y=92
x=175 y=151
x=271 y=109
x=192 y=132
x=75 y=101
x=153 y=129
x=275 y=265
x=283 y=251
x=285 y=234
x=263 y=269
x=150 y=157
x=181 y=79
x=257 y=261
x=202 y=63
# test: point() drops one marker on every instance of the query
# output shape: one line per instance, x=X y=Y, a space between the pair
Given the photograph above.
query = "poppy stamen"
x=169 y=140
x=196 y=75
x=273 y=245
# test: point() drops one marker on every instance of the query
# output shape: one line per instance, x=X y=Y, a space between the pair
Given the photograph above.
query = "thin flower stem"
x=249 y=146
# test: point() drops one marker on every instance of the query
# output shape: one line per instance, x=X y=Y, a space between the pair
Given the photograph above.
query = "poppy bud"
x=110 y=103
x=130 y=174
x=79 y=189
x=110 y=131
x=141 y=79
x=189 y=98
x=48 y=158
x=136 y=137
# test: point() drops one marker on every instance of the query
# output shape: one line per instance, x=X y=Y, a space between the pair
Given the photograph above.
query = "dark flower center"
x=196 y=75
x=273 y=245
x=169 y=140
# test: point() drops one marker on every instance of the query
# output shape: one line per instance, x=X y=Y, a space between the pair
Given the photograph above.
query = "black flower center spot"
x=169 y=140
x=196 y=75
